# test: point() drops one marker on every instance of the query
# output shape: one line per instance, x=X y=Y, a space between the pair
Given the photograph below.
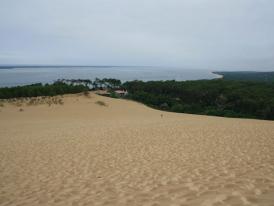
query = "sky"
x=204 y=34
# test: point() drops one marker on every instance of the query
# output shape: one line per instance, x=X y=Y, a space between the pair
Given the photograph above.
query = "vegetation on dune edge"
x=210 y=97
x=228 y=98
x=35 y=90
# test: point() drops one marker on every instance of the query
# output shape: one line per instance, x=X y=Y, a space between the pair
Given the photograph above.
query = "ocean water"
x=28 y=75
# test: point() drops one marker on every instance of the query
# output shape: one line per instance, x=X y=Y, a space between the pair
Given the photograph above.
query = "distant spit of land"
x=247 y=75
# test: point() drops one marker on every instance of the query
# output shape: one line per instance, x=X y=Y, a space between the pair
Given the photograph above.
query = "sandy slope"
x=81 y=153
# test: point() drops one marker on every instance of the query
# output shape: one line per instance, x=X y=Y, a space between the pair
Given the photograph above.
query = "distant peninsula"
x=247 y=75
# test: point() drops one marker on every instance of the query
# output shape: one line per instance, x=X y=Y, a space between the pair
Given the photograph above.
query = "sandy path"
x=81 y=153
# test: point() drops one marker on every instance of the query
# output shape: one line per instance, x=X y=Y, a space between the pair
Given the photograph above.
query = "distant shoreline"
x=12 y=75
x=51 y=66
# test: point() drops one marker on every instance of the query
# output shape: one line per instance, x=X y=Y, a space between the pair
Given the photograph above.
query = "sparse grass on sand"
x=101 y=103
x=33 y=101
x=18 y=104
x=86 y=94
x=60 y=101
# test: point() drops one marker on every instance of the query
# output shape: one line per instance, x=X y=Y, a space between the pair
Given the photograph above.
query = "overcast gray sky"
x=211 y=34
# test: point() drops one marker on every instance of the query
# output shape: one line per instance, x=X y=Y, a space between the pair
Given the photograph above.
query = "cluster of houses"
x=121 y=93
x=118 y=93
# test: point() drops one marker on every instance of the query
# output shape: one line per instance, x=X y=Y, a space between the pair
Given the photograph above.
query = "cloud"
x=213 y=34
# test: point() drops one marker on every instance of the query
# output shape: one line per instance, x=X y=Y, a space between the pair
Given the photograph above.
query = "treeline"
x=61 y=86
x=34 y=90
x=210 y=97
x=218 y=97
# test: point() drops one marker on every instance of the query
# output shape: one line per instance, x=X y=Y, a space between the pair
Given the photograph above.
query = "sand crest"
x=124 y=153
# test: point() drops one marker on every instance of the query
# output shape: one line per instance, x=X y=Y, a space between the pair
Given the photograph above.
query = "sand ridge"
x=125 y=153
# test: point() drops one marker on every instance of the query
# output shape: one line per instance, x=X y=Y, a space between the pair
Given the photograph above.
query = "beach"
x=83 y=152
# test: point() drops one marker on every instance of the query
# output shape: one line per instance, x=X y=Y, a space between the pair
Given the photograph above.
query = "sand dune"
x=125 y=153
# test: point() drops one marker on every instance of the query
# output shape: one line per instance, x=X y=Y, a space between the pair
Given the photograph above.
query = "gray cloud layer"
x=216 y=34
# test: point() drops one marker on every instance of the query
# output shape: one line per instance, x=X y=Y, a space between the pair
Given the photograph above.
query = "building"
x=121 y=93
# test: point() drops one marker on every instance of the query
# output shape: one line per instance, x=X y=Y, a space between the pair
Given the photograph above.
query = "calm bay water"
x=29 y=75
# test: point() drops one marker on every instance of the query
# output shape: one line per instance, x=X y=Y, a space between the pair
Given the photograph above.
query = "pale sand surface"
x=81 y=153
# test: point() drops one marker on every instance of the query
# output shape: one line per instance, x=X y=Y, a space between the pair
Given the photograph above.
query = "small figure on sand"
x=162 y=115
